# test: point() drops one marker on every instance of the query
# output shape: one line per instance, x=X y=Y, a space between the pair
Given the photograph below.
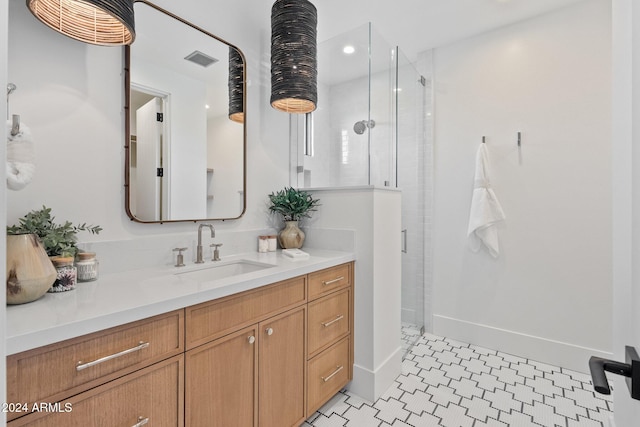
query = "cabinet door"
x=152 y=396
x=221 y=382
x=281 y=371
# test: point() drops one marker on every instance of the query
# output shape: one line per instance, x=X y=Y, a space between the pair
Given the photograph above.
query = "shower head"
x=10 y=88
x=362 y=125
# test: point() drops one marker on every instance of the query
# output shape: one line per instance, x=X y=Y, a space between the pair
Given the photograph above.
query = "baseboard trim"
x=370 y=385
x=540 y=349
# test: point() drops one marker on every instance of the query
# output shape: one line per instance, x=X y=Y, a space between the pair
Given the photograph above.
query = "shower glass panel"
x=348 y=140
x=382 y=137
x=410 y=92
x=370 y=129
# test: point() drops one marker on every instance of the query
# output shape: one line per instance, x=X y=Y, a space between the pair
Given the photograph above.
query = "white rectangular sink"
x=222 y=269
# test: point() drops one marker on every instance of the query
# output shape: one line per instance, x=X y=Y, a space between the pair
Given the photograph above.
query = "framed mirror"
x=185 y=132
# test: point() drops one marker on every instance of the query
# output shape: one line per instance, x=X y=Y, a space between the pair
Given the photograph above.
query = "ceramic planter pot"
x=30 y=272
x=291 y=237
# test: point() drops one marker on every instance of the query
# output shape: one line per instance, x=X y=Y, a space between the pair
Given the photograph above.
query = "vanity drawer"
x=329 y=280
x=57 y=371
x=327 y=374
x=329 y=320
x=211 y=320
x=153 y=394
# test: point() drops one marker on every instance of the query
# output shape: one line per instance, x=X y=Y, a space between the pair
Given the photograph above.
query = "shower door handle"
x=404 y=241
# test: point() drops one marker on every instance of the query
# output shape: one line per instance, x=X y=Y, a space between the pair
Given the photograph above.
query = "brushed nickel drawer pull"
x=331 y=282
x=141 y=422
x=139 y=347
x=337 y=319
x=338 y=369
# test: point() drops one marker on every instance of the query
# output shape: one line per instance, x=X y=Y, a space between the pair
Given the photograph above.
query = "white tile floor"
x=453 y=384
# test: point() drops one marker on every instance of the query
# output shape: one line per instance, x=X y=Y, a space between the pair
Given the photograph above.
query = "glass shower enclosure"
x=369 y=129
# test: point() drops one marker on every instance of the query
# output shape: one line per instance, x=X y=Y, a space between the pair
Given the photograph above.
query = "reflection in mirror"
x=186 y=152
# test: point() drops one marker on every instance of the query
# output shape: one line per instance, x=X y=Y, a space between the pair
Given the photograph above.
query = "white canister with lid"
x=263 y=244
x=273 y=243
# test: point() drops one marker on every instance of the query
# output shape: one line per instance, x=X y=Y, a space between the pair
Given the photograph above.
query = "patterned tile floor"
x=453 y=384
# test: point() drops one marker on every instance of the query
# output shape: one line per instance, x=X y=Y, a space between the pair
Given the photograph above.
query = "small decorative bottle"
x=273 y=243
x=87 y=266
x=66 y=274
x=263 y=244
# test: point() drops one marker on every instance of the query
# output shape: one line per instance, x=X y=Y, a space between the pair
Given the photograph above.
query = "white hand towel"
x=20 y=158
x=486 y=211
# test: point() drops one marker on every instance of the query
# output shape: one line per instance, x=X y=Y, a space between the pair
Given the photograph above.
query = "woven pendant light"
x=236 y=86
x=294 y=70
x=101 y=22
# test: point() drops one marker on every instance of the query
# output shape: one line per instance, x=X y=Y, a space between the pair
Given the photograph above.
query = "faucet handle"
x=180 y=260
x=216 y=251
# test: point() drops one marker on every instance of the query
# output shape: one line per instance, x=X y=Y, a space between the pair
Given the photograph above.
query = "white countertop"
x=120 y=298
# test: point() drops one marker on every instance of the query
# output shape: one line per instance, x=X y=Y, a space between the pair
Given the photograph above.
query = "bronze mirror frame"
x=127 y=108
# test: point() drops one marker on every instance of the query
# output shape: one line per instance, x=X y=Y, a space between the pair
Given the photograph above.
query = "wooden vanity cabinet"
x=152 y=396
x=329 y=334
x=253 y=376
x=272 y=356
x=267 y=357
x=122 y=373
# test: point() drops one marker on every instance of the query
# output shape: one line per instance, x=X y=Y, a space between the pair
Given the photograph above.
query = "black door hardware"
x=630 y=370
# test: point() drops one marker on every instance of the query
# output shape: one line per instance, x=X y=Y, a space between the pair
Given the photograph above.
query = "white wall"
x=3 y=212
x=548 y=295
x=75 y=111
x=374 y=215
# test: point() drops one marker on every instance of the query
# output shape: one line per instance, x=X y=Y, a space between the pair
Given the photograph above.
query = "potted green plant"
x=57 y=239
x=293 y=205
x=30 y=273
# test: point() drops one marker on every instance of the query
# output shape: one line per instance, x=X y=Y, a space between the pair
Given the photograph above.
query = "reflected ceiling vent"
x=200 y=58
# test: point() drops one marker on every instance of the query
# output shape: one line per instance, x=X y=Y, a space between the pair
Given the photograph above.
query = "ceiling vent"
x=200 y=58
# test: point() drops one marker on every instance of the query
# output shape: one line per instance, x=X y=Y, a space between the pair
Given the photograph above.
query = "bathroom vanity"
x=258 y=348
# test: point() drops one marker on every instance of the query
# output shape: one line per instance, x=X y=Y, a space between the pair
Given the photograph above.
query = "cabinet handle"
x=337 y=319
x=338 y=369
x=80 y=366
x=331 y=282
x=269 y=331
x=141 y=422
x=252 y=339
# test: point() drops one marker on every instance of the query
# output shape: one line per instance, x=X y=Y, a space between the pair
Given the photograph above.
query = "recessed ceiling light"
x=206 y=106
x=349 y=49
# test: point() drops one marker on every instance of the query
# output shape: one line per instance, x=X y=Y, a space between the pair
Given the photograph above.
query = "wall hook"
x=483 y=139
x=519 y=139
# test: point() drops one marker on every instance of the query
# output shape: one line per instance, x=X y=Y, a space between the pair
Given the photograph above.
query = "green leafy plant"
x=57 y=239
x=293 y=204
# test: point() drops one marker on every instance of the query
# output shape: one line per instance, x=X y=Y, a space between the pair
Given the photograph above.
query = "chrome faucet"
x=199 y=259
